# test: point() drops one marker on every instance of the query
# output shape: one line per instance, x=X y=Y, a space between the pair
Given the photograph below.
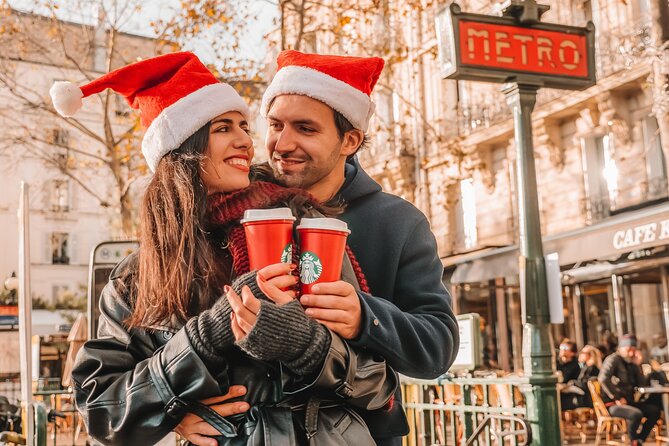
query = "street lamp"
x=12 y=282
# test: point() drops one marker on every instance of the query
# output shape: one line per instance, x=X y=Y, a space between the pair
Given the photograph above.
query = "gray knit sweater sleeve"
x=210 y=332
x=285 y=333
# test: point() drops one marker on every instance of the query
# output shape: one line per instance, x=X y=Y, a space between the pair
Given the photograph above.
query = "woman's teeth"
x=237 y=162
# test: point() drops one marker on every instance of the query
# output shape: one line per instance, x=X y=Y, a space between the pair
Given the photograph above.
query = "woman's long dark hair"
x=179 y=269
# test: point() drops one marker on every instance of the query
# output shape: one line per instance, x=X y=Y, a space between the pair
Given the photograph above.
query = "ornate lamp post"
x=524 y=54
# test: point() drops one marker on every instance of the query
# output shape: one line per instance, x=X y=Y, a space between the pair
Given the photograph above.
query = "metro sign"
x=499 y=49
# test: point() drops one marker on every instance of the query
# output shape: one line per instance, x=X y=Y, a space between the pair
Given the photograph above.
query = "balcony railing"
x=622 y=47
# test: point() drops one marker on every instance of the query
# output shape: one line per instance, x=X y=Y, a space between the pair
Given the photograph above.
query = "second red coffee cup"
x=322 y=247
x=269 y=236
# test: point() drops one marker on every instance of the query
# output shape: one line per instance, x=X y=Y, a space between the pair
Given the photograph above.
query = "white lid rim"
x=327 y=224
x=251 y=215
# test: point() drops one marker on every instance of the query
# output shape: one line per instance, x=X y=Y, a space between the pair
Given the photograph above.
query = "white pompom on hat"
x=66 y=97
x=175 y=94
x=342 y=82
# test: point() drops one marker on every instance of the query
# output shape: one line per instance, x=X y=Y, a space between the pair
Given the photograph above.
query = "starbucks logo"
x=310 y=267
x=287 y=254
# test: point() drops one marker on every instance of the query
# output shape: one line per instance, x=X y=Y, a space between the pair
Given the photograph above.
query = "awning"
x=597 y=271
x=605 y=241
x=484 y=266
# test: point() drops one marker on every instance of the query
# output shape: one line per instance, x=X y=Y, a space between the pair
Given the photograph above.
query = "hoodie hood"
x=358 y=184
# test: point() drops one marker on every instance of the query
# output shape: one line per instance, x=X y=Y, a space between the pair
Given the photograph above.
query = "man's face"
x=566 y=353
x=627 y=352
x=304 y=147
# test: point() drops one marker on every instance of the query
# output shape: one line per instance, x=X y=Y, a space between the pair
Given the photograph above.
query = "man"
x=318 y=110
x=619 y=376
x=567 y=361
x=569 y=368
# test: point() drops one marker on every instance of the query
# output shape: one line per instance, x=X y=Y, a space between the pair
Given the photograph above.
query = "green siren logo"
x=310 y=267
x=287 y=254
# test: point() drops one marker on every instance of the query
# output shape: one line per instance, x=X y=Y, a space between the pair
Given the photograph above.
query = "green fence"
x=466 y=411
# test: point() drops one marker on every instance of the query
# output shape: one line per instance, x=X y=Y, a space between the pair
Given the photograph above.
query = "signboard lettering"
x=641 y=235
x=500 y=49
x=526 y=49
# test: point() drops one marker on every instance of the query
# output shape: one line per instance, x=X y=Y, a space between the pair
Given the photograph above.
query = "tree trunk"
x=128 y=228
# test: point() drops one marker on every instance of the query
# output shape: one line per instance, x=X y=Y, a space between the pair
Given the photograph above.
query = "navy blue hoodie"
x=408 y=317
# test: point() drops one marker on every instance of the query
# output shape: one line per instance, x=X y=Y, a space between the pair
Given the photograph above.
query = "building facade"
x=64 y=162
x=601 y=164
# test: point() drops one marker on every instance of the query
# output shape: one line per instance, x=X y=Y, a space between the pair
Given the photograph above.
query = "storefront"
x=615 y=280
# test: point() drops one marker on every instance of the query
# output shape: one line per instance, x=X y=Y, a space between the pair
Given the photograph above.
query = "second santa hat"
x=175 y=94
x=342 y=82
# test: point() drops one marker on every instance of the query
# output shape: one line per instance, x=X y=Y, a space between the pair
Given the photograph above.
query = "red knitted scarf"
x=228 y=209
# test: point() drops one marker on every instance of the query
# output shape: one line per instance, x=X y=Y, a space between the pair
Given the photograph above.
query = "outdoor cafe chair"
x=606 y=424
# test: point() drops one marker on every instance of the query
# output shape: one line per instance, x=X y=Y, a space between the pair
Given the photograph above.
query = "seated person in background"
x=567 y=360
x=657 y=377
x=568 y=367
x=658 y=351
x=590 y=360
x=619 y=376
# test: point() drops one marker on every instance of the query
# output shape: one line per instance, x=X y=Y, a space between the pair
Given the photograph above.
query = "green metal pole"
x=538 y=357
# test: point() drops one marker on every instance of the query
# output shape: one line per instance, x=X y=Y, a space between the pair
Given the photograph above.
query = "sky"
x=139 y=22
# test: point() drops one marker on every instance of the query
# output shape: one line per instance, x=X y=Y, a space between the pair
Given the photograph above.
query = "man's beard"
x=287 y=180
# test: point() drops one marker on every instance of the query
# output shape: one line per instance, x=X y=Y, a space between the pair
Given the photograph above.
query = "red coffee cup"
x=322 y=247
x=269 y=236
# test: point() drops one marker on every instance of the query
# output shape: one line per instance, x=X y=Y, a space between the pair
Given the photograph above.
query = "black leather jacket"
x=619 y=378
x=132 y=387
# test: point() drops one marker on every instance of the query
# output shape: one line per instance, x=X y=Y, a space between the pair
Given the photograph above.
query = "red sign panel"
x=525 y=49
x=9 y=310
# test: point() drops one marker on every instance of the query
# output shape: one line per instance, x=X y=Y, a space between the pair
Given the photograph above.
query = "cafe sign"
x=641 y=235
x=500 y=49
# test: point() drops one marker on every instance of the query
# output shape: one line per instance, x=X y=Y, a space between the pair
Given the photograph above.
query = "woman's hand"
x=244 y=311
x=277 y=282
x=194 y=429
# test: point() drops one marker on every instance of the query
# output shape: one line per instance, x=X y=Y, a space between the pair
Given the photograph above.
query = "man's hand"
x=194 y=429
x=335 y=305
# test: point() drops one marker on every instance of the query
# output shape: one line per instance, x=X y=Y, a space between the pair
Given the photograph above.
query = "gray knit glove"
x=210 y=332
x=285 y=333
x=248 y=279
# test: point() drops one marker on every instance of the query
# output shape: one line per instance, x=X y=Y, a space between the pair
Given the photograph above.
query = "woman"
x=167 y=338
x=590 y=360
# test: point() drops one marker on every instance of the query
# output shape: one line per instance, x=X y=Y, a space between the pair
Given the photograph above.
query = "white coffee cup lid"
x=267 y=214
x=331 y=224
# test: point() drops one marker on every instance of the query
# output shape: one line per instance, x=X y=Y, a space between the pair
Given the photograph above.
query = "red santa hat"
x=342 y=82
x=175 y=94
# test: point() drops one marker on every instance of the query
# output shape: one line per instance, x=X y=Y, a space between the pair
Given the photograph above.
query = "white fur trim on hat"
x=355 y=105
x=186 y=116
x=66 y=98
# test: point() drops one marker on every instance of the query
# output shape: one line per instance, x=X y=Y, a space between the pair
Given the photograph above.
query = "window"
x=656 y=169
x=601 y=175
x=59 y=137
x=468 y=213
x=121 y=106
x=60 y=248
x=581 y=12
x=59 y=195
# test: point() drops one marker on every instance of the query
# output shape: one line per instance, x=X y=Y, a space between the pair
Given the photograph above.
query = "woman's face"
x=225 y=167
